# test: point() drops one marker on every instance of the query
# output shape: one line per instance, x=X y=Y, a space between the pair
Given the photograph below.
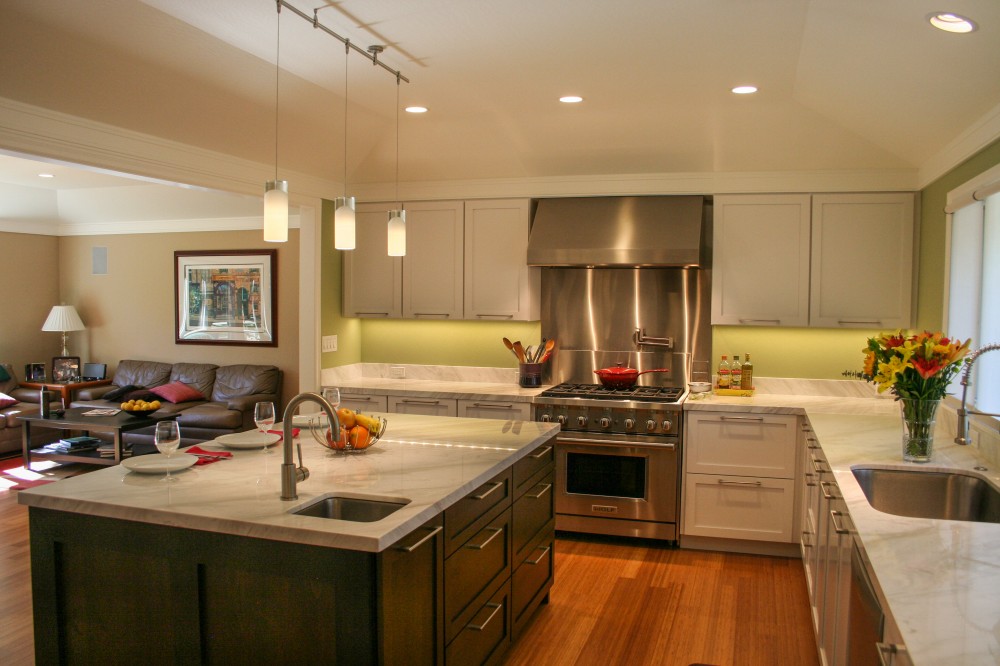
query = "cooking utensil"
x=622 y=378
x=547 y=351
x=510 y=345
x=519 y=351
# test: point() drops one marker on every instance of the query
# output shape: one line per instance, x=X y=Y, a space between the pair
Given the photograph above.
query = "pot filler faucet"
x=290 y=474
x=963 y=413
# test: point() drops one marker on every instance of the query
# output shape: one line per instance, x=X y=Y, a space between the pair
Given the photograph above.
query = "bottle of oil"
x=746 y=374
x=736 y=373
x=724 y=372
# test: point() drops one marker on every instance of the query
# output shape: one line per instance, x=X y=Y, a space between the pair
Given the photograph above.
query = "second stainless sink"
x=940 y=495
x=354 y=509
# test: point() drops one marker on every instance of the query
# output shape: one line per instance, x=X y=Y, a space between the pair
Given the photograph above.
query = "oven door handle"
x=617 y=442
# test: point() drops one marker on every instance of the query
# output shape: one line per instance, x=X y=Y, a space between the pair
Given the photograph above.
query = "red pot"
x=622 y=378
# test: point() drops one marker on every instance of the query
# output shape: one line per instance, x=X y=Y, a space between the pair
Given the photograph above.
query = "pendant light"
x=276 y=191
x=344 y=211
x=397 y=218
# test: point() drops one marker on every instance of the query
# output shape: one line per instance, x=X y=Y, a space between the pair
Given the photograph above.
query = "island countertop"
x=430 y=461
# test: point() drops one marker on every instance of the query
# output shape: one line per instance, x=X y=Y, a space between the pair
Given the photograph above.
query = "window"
x=973 y=308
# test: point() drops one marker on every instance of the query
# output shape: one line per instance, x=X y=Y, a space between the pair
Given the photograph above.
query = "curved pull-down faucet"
x=963 y=421
x=290 y=474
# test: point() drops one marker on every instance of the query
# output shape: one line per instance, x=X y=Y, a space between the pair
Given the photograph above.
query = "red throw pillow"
x=7 y=401
x=177 y=392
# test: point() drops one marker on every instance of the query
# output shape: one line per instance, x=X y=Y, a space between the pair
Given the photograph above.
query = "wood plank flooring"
x=613 y=602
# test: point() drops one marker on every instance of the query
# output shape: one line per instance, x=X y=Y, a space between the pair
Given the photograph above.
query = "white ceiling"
x=844 y=84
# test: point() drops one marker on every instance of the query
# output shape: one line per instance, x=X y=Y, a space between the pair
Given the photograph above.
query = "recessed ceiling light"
x=951 y=22
x=571 y=99
x=416 y=109
x=46 y=175
x=745 y=90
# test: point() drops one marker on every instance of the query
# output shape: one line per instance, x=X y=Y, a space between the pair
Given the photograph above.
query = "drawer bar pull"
x=776 y=322
x=359 y=398
x=496 y=316
x=496 y=484
x=498 y=405
x=545 y=551
x=496 y=532
x=874 y=323
x=431 y=535
x=542 y=452
x=817 y=462
x=480 y=627
x=742 y=418
x=828 y=488
x=373 y=314
x=538 y=495
x=739 y=483
x=411 y=401
x=835 y=517
x=442 y=315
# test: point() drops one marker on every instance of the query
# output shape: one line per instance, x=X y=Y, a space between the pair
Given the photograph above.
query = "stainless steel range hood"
x=618 y=231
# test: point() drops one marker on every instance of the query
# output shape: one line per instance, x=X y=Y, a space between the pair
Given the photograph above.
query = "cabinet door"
x=373 y=282
x=739 y=507
x=760 y=260
x=432 y=268
x=399 y=404
x=742 y=444
x=862 y=260
x=495 y=409
x=499 y=284
x=364 y=403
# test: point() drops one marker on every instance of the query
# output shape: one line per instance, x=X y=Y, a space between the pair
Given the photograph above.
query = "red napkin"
x=216 y=455
x=295 y=433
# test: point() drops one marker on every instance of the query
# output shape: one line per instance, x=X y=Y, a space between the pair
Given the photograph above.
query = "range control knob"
x=629 y=424
x=666 y=425
x=650 y=425
x=605 y=422
x=545 y=418
x=561 y=419
x=581 y=421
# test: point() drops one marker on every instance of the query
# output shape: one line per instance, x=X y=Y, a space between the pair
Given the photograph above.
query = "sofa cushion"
x=120 y=392
x=177 y=392
x=4 y=375
x=233 y=381
x=141 y=394
x=10 y=384
x=6 y=400
x=210 y=415
x=198 y=375
x=141 y=373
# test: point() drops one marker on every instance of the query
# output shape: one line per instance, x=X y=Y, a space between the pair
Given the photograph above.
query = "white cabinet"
x=823 y=260
x=862 y=260
x=495 y=409
x=373 y=284
x=740 y=476
x=760 y=266
x=432 y=268
x=400 y=404
x=363 y=402
x=499 y=284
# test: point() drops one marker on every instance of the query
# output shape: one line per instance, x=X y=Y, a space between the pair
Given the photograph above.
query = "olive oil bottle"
x=746 y=374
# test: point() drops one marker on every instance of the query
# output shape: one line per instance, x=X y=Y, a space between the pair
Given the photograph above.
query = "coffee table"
x=66 y=389
x=74 y=419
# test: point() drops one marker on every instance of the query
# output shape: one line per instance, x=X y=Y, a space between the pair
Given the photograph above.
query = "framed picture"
x=226 y=297
x=34 y=372
x=65 y=368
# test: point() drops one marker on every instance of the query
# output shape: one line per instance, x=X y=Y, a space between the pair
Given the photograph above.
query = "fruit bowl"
x=354 y=439
x=140 y=412
x=140 y=407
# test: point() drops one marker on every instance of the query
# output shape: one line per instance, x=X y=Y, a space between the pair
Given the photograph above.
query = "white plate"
x=157 y=463
x=308 y=420
x=251 y=439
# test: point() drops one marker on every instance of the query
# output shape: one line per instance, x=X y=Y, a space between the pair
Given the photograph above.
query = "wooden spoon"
x=519 y=351
x=549 y=346
x=510 y=345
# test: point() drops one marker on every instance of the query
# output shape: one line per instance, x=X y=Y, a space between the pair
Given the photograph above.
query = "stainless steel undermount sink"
x=351 y=508
x=939 y=495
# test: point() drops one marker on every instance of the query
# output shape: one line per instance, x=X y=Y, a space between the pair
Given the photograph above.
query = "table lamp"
x=63 y=318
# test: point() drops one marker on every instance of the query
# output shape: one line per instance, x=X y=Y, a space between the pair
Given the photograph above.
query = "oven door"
x=629 y=478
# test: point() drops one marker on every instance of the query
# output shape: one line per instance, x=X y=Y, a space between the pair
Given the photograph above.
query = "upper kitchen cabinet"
x=372 y=279
x=760 y=267
x=823 y=260
x=432 y=269
x=862 y=260
x=499 y=284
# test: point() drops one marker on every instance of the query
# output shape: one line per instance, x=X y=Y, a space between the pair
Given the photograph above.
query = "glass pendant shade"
x=343 y=224
x=276 y=211
x=397 y=233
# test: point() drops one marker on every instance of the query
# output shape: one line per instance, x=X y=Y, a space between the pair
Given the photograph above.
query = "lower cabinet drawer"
x=364 y=403
x=536 y=461
x=739 y=507
x=530 y=581
x=474 y=570
x=486 y=636
x=469 y=514
x=532 y=512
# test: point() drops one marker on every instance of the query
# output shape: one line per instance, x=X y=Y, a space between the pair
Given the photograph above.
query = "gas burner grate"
x=599 y=392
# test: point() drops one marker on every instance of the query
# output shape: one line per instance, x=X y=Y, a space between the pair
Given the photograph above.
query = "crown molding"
x=977 y=136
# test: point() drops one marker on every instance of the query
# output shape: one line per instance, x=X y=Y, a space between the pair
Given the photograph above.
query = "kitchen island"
x=216 y=568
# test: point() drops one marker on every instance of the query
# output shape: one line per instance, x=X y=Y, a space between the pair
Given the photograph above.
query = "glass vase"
x=918 y=428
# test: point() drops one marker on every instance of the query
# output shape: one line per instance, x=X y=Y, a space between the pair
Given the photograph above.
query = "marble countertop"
x=940 y=579
x=440 y=389
x=431 y=461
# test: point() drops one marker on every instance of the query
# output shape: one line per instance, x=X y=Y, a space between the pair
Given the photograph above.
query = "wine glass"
x=167 y=437
x=263 y=416
x=332 y=396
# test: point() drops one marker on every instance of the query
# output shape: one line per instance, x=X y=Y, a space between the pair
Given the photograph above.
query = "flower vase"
x=918 y=428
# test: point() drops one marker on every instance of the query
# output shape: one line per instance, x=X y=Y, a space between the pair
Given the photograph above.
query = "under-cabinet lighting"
x=416 y=109
x=571 y=99
x=745 y=90
x=951 y=22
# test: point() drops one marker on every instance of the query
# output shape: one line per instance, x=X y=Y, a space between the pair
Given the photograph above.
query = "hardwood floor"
x=622 y=602
x=613 y=602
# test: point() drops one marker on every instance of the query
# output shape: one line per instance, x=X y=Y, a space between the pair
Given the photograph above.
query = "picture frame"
x=226 y=297
x=34 y=372
x=65 y=369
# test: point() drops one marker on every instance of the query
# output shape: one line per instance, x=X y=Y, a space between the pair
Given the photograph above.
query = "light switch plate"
x=329 y=343
x=397 y=372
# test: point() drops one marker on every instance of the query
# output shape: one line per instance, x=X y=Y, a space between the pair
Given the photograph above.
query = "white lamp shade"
x=63 y=318
x=276 y=211
x=397 y=233
x=343 y=224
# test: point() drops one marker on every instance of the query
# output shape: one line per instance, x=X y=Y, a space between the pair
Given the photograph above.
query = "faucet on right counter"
x=963 y=422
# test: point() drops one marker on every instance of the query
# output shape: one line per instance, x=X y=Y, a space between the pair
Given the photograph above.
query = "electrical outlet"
x=329 y=343
x=397 y=372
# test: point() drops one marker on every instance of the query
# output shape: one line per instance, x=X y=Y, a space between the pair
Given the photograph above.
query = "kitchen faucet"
x=963 y=423
x=290 y=474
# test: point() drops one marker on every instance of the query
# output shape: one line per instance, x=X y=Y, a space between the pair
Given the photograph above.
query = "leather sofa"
x=229 y=394
x=28 y=403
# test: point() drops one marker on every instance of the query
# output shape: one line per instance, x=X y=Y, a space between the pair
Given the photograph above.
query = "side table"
x=66 y=389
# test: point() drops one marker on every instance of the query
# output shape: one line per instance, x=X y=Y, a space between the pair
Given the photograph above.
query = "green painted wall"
x=776 y=352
